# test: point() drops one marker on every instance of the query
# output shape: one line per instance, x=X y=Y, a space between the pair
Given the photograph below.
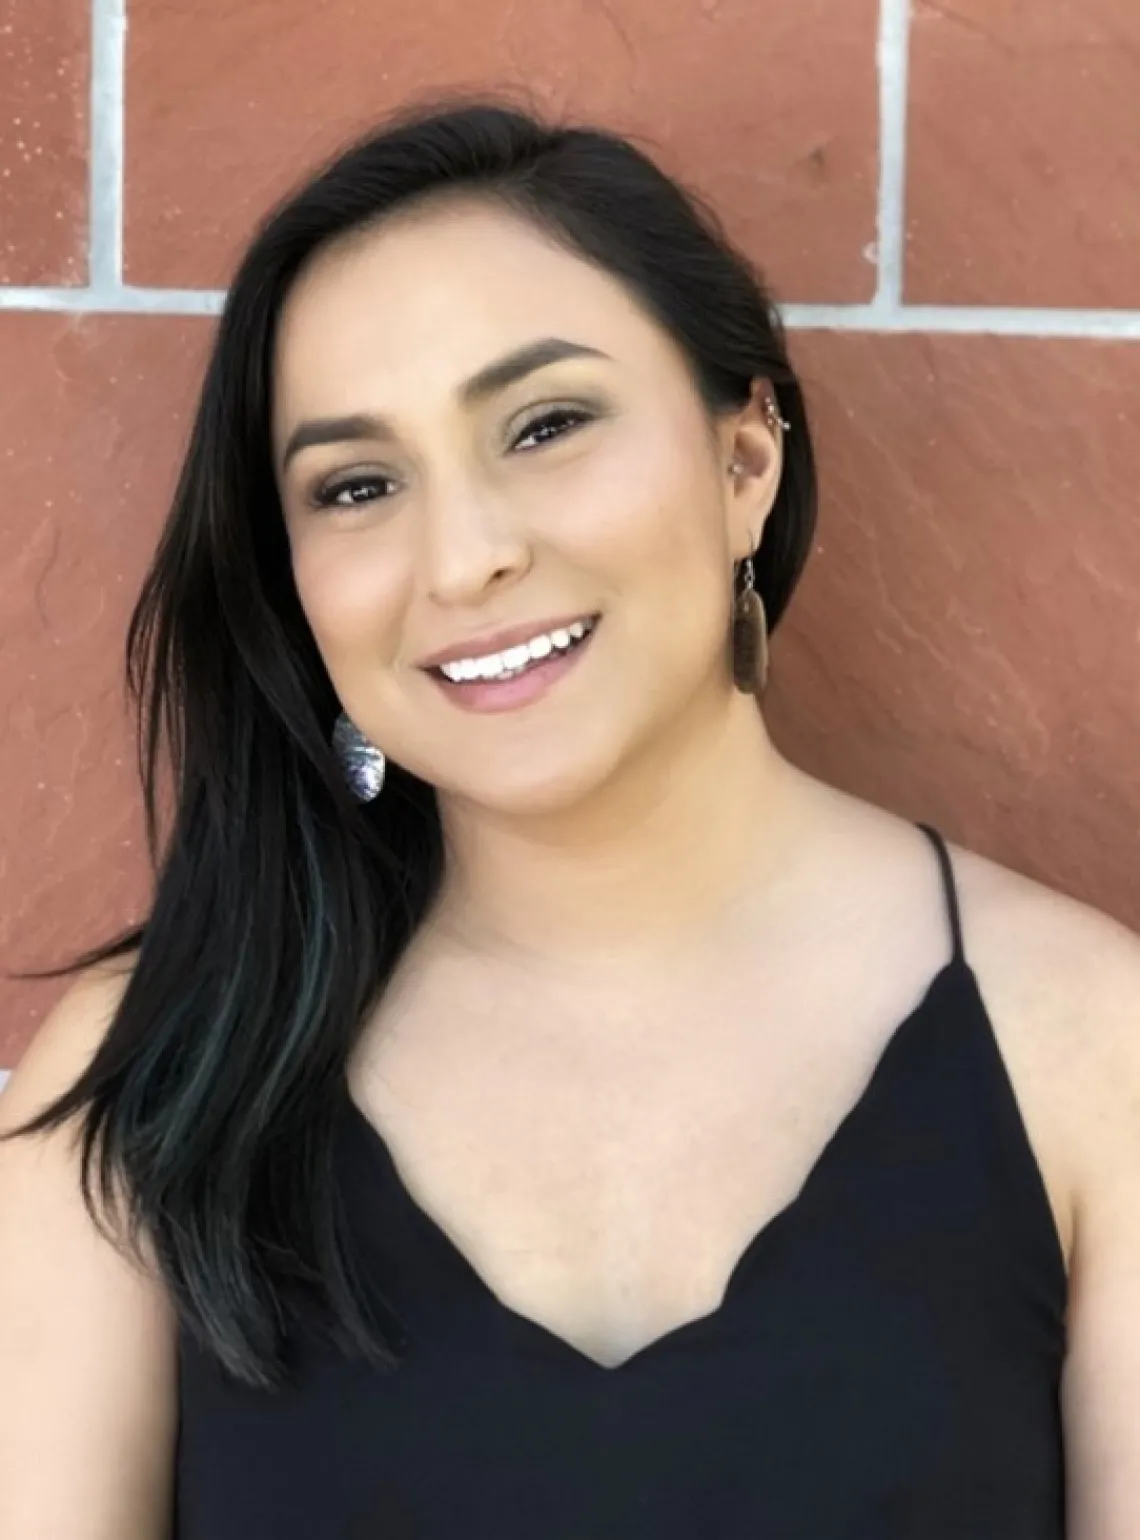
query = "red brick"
x=1024 y=154
x=94 y=411
x=965 y=644
x=771 y=111
x=44 y=85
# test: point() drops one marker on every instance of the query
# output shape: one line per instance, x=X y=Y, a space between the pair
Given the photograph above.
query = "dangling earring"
x=362 y=762
x=749 y=636
x=749 y=618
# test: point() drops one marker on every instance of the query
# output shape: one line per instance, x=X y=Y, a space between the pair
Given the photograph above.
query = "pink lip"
x=495 y=695
x=499 y=641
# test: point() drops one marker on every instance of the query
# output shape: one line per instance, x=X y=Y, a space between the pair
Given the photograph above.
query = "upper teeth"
x=515 y=658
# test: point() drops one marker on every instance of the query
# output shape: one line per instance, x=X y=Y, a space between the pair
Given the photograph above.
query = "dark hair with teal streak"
x=281 y=905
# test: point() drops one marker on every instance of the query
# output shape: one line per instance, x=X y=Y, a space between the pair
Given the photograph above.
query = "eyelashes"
x=569 y=416
x=329 y=495
x=554 y=424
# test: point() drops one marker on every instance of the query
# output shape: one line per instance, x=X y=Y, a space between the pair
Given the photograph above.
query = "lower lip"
x=509 y=694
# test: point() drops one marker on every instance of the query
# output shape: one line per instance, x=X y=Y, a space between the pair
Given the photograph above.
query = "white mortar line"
x=981 y=320
x=115 y=299
x=893 y=60
x=105 y=175
x=969 y=320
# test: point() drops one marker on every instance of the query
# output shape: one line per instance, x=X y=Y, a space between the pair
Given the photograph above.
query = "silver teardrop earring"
x=362 y=762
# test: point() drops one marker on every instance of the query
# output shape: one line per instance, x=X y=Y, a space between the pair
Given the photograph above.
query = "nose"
x=471 y=545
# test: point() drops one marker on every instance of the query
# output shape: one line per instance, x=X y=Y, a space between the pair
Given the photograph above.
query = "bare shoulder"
x=1061 y=980
x=1069 y=967
x=87 y=1338
x=65 y=1040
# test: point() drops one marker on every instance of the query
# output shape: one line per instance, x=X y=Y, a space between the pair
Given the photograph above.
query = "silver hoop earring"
x=362 y=762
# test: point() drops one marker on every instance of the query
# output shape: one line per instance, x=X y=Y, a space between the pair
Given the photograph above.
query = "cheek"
x=353 y=597
x=653 y=519
x=645 y=498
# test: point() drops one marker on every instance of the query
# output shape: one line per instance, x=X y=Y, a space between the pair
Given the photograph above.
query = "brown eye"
x=553 y=424
x=331 y=493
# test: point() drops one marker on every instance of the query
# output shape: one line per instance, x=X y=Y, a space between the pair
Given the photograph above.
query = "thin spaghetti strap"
x=949 y=886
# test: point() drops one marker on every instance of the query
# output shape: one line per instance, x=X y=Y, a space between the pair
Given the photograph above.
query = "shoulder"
x=1072 y=968
x=42 y=1166
x=60 y=1050
x=1061 y=980
x=87 y=1337
x=66 y=1039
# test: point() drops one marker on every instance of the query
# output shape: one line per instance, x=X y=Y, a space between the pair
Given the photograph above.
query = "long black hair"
x=281 y=905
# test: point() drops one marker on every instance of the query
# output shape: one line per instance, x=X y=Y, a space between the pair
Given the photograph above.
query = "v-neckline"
x=956 y=968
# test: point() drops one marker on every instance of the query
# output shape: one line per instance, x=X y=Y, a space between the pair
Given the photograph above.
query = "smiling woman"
x=546 y=1110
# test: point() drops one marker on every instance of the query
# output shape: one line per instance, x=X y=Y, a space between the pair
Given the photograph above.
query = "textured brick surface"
x=93 y=409
x=771 y=110
x=967 y=640
x=1024 y=153
x=44 y=79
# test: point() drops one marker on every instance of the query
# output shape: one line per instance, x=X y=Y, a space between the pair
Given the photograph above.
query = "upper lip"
x=498 y=641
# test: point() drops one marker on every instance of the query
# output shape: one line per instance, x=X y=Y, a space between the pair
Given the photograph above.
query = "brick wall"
x=944 y=196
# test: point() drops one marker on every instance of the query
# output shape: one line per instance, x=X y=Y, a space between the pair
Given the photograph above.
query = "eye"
x=331 y=493
x=553 y=424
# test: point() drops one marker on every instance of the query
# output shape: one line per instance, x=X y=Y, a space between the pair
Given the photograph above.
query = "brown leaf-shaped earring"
x=749 y=635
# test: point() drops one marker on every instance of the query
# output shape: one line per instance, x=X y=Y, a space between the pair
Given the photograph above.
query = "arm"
x=1101 y=1387
x=87 y=1348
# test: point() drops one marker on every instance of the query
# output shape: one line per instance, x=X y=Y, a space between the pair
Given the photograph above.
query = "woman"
x=542 y=1109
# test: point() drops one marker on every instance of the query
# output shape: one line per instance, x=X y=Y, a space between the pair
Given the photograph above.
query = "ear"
x=751 y=442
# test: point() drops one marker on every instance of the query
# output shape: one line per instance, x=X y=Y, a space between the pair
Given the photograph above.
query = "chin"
x=532 y=786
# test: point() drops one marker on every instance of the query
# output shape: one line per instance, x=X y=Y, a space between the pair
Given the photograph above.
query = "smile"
x=514 y=661
x=518 y=676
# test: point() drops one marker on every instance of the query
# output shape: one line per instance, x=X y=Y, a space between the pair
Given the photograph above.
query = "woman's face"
x=578 y=484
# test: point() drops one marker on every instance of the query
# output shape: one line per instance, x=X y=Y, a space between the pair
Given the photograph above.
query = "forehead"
x=401 y=313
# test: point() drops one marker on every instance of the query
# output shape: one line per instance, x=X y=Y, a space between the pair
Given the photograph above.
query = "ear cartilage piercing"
x=772 y=416
x=773 y=419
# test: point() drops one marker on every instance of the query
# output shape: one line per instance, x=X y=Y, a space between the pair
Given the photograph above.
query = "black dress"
x=885 y=1364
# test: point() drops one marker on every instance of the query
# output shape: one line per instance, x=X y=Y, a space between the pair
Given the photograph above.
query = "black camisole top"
x=885 y=1363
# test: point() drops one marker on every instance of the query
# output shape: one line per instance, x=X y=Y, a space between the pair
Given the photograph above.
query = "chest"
x=609 y=1182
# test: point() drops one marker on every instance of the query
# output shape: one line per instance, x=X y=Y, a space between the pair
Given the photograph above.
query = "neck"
x=659 y=857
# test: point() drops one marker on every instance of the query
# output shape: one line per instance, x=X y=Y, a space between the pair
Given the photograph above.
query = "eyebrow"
x=489 y=380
